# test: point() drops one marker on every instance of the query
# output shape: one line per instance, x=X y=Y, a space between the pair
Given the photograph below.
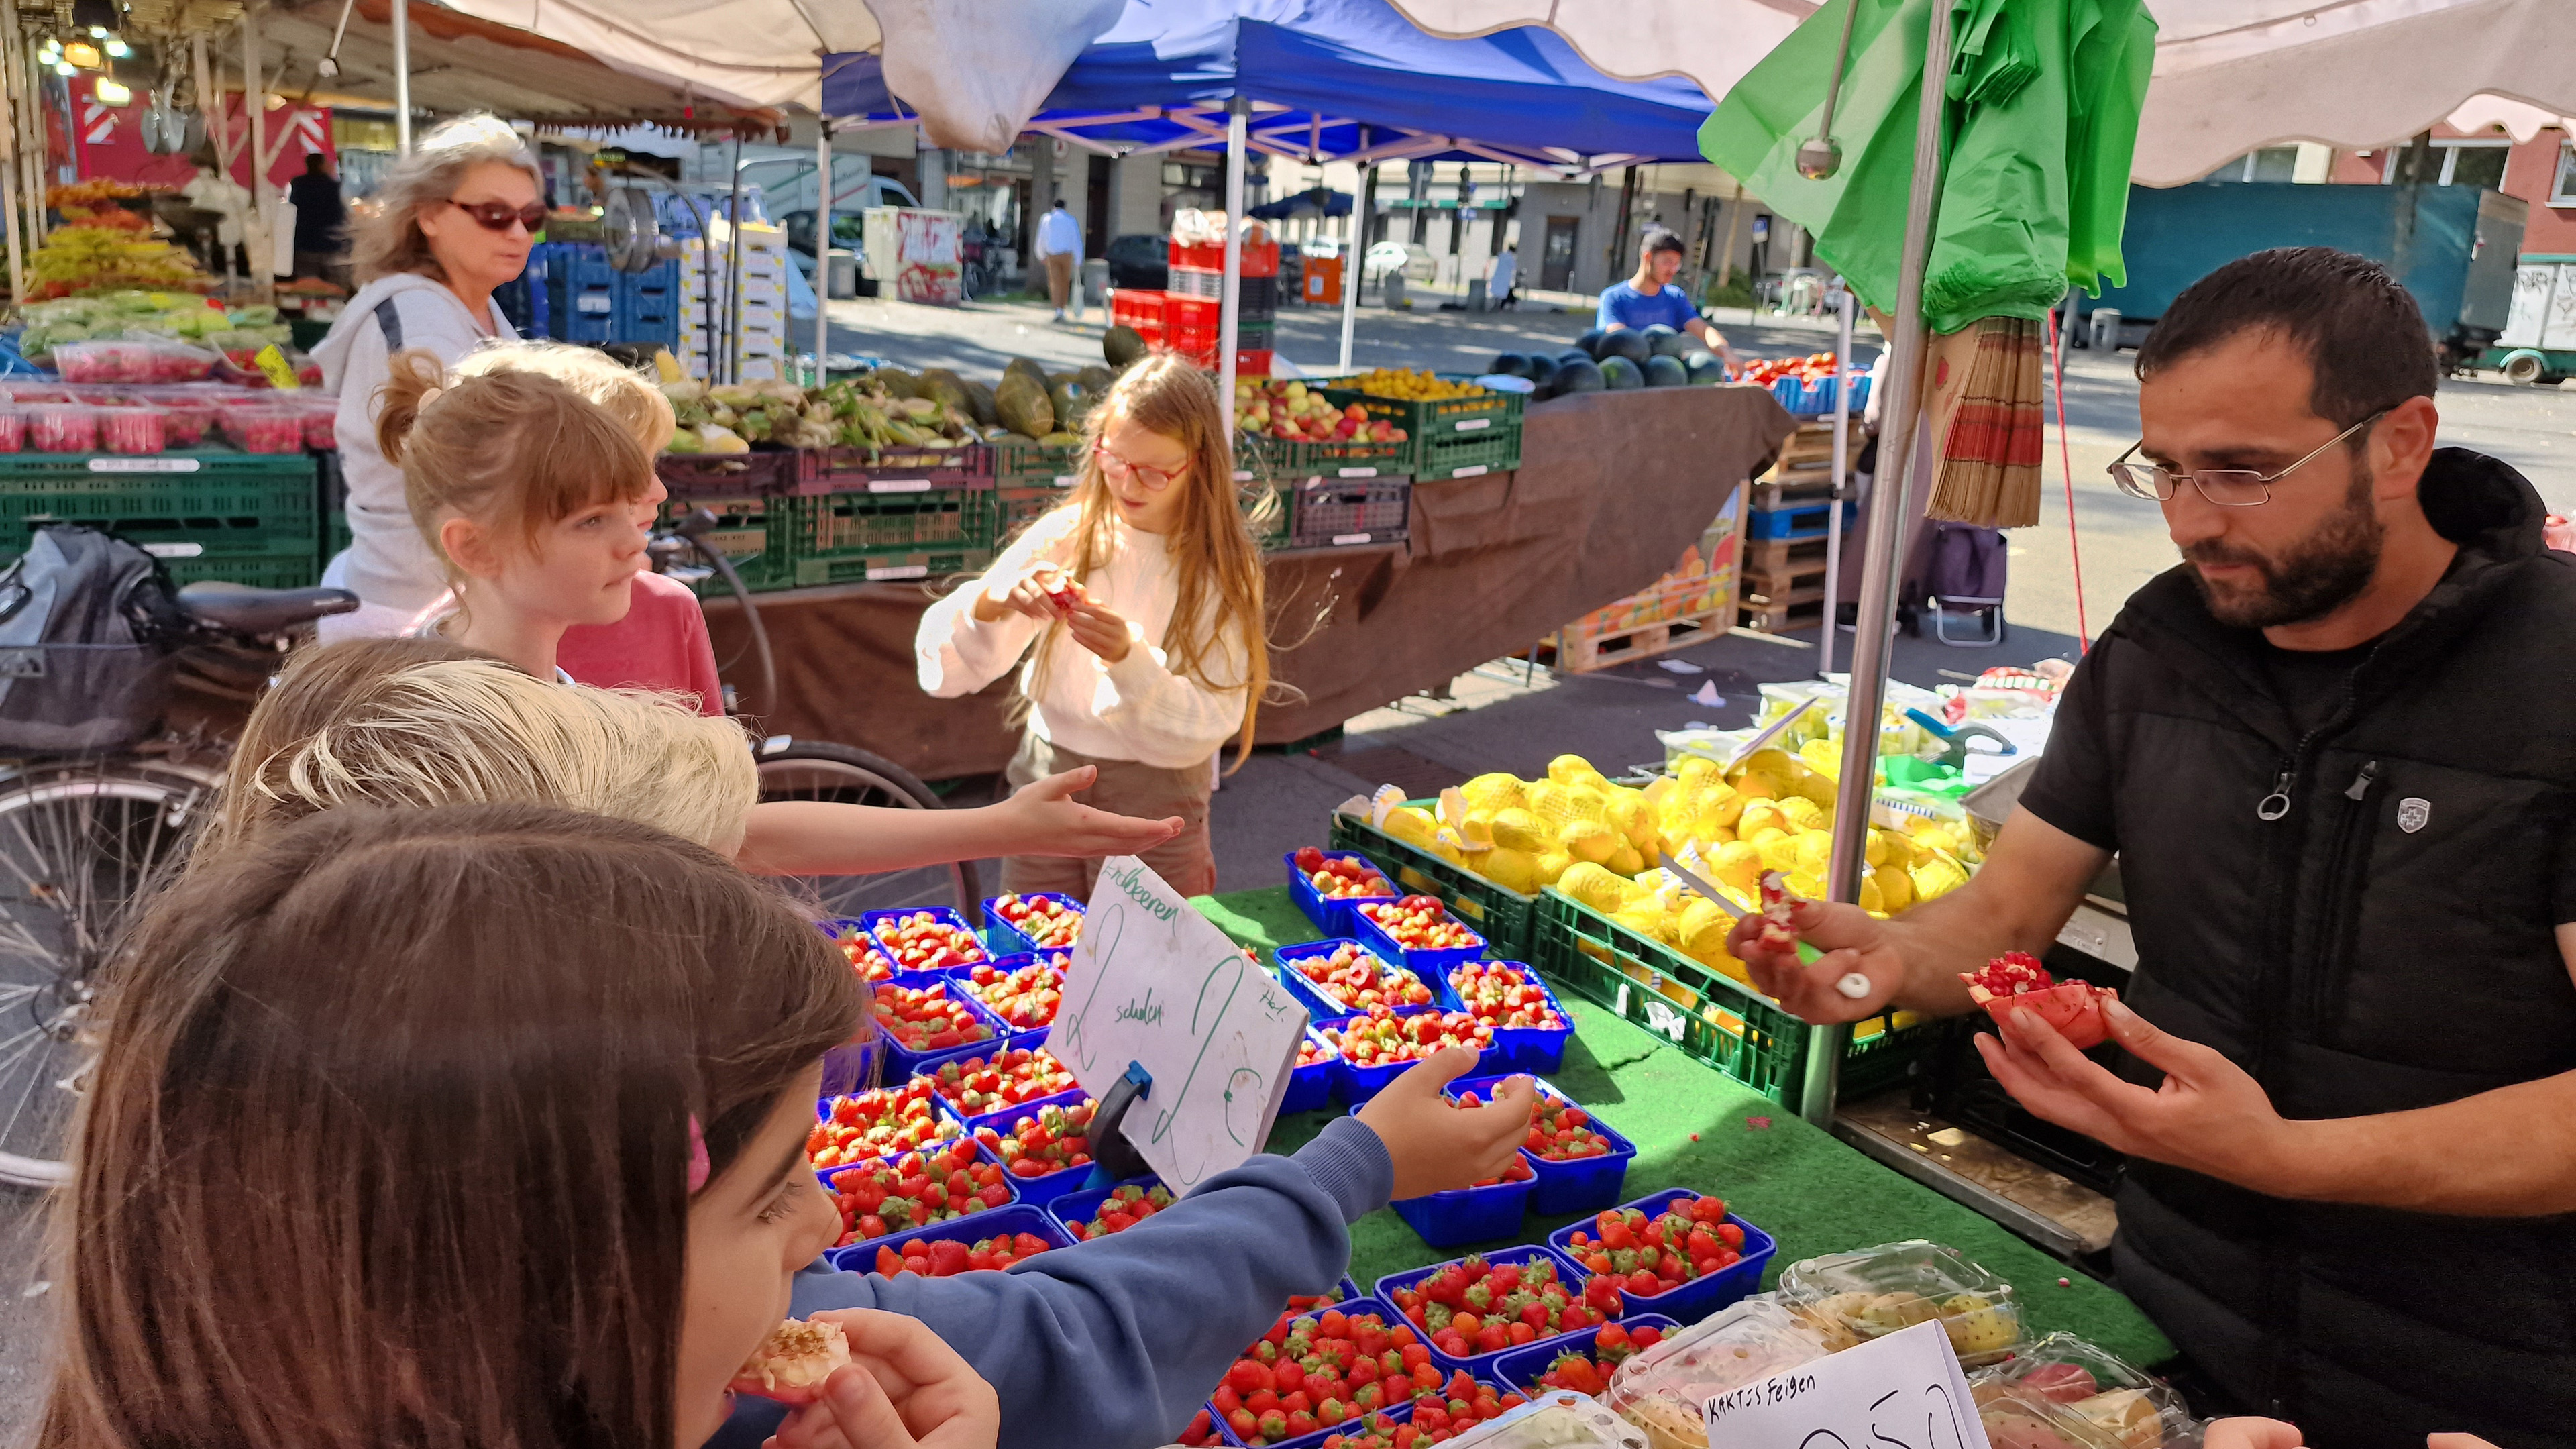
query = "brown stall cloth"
x=1612 y=486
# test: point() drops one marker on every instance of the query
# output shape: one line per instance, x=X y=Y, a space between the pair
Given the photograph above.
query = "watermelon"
x=1618 y=373
x=1664 y=371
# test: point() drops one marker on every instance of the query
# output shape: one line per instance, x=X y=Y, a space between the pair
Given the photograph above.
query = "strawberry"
x=1379 y=1036
x=888 y=1121
x=1420 y=923
x=922 y=941
x=1562 y=1132
x=1124 y=1208
x=896 y=1194
x=865 y=958
x=945 y=1258
x=1514 y=1297
x=1504 y=995
x=926 y=1018
x=1308 y=1370
x=1025 y=996
x=1342 y=877
x=1048 y=921
x=975 y=1086
x=1690 y=1238
x=1050 y=1140
x=1353 y=978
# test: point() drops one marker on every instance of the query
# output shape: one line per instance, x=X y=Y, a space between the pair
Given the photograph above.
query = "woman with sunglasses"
x=1137 y=607
x=451 y=222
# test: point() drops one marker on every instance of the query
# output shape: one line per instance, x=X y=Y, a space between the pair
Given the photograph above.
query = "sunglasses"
x=497 y=216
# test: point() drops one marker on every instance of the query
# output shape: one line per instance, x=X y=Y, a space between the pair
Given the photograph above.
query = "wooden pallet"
x=1768 y=494
x=1582 y=654
x=1780 y=616
x=1779 y=555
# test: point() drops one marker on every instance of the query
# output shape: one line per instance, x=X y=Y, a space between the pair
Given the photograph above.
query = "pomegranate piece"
x=2016 y=981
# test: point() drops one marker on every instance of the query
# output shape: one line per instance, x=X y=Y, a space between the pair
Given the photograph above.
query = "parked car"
x=1411 y=258
x=1142 y=261
x=847 y=228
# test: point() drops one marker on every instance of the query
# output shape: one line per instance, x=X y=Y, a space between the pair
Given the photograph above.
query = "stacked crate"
x=1333 y=495
x=743 y=295
x=1459 y=437
x=207 y=513
x=1786 y=532
x=790 y=519
x=1688 y=605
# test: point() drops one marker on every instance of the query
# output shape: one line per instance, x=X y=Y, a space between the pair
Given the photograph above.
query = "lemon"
x=1646 y=919
x=1595 y=886
x=1552 y=866
x=1588 y=840
x=1815 y=851
x=1494 y=793
x=1808 y=884
x=1869 y=897
x=1766 y=835
x=1551 y=803
x=1412 y=825
x=1518 y=829
x=1759 y=816
x=1739 y=864
x=1802 y=812
x=1625 y=861
x=1759 y=787
x=1513 y=870
x=1567 y=769
x=1895 y=888
x=1587 y=802
x=1773 y=763
x=1937 y=877
x=1696 y=771
x=1701 y=928
x=1780 y=853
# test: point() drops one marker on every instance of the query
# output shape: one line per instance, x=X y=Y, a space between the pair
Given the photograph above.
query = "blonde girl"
x=1134 y=617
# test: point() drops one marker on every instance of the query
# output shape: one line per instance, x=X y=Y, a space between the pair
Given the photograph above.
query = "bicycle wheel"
x=82 y=845
x=792 y=769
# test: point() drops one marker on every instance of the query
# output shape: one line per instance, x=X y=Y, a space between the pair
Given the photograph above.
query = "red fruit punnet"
x=791 y=1364
x=2016 y=981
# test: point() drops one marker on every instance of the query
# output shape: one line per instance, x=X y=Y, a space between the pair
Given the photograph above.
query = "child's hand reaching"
x=1437 y=1147
x=903 y=1389
x=1045 y=819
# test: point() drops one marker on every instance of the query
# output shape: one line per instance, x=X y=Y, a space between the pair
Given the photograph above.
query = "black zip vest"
x=2362 y=918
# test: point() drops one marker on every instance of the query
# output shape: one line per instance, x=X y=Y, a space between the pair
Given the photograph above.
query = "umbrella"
x=1305 y=203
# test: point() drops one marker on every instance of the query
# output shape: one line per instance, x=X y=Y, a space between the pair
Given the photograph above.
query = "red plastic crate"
x=1136 y=307
x=1260 y=258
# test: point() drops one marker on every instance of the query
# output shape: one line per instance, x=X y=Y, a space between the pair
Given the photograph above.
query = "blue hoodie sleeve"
x=1117 y=1342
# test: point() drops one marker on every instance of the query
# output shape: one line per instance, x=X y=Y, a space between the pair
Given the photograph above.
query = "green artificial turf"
x=1698 y=1129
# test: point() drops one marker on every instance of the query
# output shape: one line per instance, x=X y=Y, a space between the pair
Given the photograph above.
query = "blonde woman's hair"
x=415 y=723
x=1212 y=543
x=513 y=449
x=593 y=374
x=390 y=241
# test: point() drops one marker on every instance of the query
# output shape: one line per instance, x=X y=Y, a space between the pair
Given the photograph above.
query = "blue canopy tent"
x=1303 y=203
x=1318 y=80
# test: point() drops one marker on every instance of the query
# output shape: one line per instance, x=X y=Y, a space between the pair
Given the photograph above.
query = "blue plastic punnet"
x=1332 y=915
x=999 y=1117
x=851 y=932
x=1311 y=1086
x=945 y=916
x=869 y=1245
x=1692 y=1301
x=1432 y=966
x=1005 y=939
x=1586 y=1185
x=1482 y=1365
x=903 y=1062
x=1531 y=1048
x=1318 y=1003
x=1518 y=1370
x=1037 y=1191
x=1083 y=1206
x=971 y=1229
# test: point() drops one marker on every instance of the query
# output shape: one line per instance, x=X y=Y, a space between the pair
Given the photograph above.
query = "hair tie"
x=428 y=396
x=698 y=1169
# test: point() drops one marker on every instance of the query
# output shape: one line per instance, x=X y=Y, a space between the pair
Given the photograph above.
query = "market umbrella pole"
x=1842 y=453
x=1881 y=557
x=822 y=245
x=1228 y=307
x=400 y=19
x=1355 y=251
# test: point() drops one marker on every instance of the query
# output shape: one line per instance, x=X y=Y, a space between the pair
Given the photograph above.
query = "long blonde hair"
x=1212 y=543
x=413 y=723
x=390 y=240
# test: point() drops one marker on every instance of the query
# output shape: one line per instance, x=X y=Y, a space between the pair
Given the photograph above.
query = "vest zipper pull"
x=2276 y=804
x=2360 y=786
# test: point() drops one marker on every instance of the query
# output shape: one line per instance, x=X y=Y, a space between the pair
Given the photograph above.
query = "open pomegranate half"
x=791 y=1364
x=2015 y=981
x=1779 y=928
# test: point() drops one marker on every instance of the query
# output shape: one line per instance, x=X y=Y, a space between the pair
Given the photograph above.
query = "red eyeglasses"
x=497 y=216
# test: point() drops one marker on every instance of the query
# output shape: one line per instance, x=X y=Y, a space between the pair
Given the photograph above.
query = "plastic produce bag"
x=1853 y=1297
x=1661 y=1389
x=1558 y=1420
x=2063 y=1390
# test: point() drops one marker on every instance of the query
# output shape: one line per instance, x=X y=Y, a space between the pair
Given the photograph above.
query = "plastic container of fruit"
x=901 y=1061
x=1000 y=1222
x=265 y=429
x=1557 y=1419
x=1432 y=965
x=13 y=428
x=321 y=424
x=131 y=430
x=1021 y=1036
x=171 y=362
x=1083 y=1206
x=1332 y=915
x=1482 y=1365
x=1531 y=1048
x=945 y=916
x=1311 y=1086
x=999 y=1118
x=851 y=934
x=1047 y=1187
x=1318 y=1002
x=1854 y=1297
x=1662 y=1390
x=83 y=363
x=1519 y=1369
x=1005 y=939
x=2084 y=1394
x=864 y=1251
x=1353 y=1304
x=62 y=428
x=1357 y=1084
x=1585 y=1185
x=1700 y=1297
x=1466 y=1215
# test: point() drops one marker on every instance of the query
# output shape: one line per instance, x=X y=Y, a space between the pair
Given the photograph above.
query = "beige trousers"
x=1124 y=787
x=1059 y=267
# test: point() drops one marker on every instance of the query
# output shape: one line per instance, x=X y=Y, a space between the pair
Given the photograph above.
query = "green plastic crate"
x=1422 y=421
x=935 y=519
x=287 y=565
x=1505 y=918
x=757 y=535
x=1015 y=506
x=1027 y=463
x=890 y=567
x=1467 y=455
x=1271 y=458
x=224 y=504
x=1707 y=1014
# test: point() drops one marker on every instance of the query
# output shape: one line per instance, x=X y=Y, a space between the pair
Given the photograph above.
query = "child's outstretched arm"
x=1119 y=1340
x=813 y=837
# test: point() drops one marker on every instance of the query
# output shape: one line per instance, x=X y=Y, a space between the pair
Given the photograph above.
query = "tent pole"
x=1842 y=454
x=1881 y=559
x=263 y=244
x=1355 y=251
x=822 y=244
x=1229 y=305
x=400 y=22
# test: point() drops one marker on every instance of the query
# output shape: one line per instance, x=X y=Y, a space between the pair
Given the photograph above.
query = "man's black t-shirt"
x=2310 y=684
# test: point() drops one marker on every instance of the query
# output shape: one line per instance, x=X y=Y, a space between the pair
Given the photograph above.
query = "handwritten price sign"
x=1152 y=981
x=1903 y=1391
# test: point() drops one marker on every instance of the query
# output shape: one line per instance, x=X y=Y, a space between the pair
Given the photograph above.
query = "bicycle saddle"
x=247 y=610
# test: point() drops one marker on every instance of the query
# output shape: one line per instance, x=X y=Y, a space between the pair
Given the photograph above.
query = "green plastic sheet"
x=2039 y=123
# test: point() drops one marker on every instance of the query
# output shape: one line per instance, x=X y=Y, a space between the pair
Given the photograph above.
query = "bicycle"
x=86 y=839
x=794 y=769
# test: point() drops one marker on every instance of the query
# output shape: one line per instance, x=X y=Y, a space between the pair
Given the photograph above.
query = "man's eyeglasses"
x=2225 y=487
x=497 y=216
x=1117 y=467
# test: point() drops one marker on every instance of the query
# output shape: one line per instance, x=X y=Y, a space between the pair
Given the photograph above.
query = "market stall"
x=1607 y=487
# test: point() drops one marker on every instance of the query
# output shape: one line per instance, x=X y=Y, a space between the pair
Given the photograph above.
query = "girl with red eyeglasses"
x=1133 y=617
x=451 y=223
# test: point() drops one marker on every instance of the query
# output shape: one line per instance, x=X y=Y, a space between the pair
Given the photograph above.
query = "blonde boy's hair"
x=376 y=723
x=626 y=394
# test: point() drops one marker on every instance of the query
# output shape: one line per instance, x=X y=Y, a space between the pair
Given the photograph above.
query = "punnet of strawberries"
x=1586 y=1369
x=1473 y=1307
x=1341 y=877
x=979 y=1085
x=1379 y=1036
x=1352 y=976
x=1321 y=1371
x=927 y=1018
x=885 y=1122
x=1124 y=1208
x=1690 y=1238
x=946 y=1257
x=1046 y=1141
x=865 y=958
x=1311 y=1051
x=1025 y=996
x=921 y=941
x=1562 y=1132
x=897 y=1194
x=1420 y=923
x=1504 y=995
x=1045 y=920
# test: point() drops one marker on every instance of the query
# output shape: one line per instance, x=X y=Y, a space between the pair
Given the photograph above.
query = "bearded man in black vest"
x=2335 y=753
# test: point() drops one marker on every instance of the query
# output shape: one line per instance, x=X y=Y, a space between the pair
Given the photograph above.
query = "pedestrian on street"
x=320 y=217
x=1060 y=247
x=2331 y=757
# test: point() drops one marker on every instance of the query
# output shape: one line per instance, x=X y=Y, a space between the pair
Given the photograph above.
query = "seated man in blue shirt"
x=1650 y=296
